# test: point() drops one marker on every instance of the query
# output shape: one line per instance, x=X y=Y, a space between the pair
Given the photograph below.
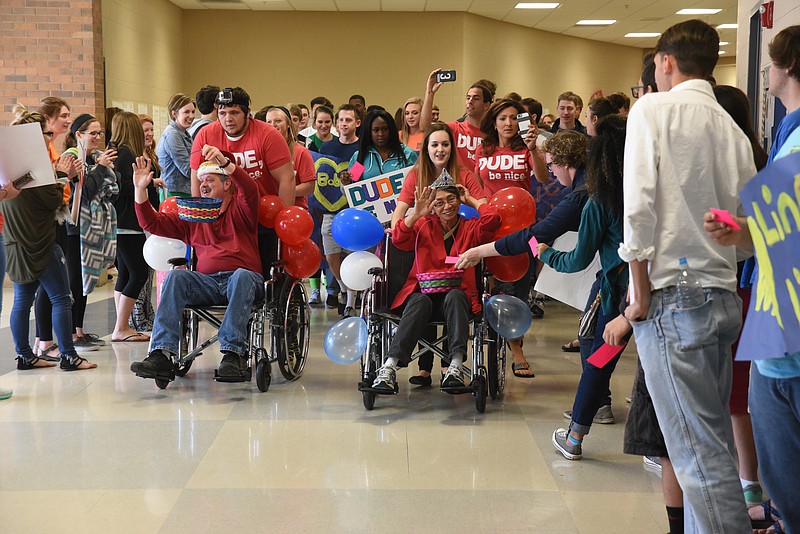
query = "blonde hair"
x=150 y=151
x=290 y=134
x=405 y=131
x=23 y=116
x=176 y=102
x=126 y=130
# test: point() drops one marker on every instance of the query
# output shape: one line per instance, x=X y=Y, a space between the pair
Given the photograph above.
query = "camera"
x=446 y=76
x=225 y=96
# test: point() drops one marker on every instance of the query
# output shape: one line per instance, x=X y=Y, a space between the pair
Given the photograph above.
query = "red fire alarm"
x=766 y=10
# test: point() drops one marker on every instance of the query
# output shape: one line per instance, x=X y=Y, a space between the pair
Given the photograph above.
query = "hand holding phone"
x=445 y=76
x=524 y=121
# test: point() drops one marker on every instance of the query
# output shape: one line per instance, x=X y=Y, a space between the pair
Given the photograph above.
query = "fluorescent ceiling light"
x=537 y=5
x=696 y=11
x=590 y=22
x=727 y=26
x=642 y=34
x=723 y=43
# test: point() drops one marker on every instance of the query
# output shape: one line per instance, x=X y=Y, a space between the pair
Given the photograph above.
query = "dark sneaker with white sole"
x=156 y=365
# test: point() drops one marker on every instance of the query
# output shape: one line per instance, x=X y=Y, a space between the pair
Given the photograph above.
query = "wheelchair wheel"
x=263 y=372
x=369 y=399
x=479 y=383
x=181 y=370
x=496 y=364
x=295 y=325
x=161 y=383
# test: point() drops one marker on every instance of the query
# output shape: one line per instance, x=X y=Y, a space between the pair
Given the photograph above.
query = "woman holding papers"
x=35 y=259
x=600 y=231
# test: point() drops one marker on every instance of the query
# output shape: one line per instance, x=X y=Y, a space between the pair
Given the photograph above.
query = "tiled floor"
x=105 y=451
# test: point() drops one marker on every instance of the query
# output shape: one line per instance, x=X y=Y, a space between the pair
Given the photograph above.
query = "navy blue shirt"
x=565 y=217
x=340 y=150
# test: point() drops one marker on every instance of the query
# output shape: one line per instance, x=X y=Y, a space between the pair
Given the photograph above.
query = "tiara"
x=444 y=180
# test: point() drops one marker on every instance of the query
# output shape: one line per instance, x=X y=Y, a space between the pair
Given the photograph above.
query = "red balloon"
x=268 y=208
x=517 y=209
x=170 y=205
x=301 y=261
x=508 y=268
x=294 y=225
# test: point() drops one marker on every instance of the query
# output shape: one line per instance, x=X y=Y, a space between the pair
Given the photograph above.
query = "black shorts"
x=643 y=436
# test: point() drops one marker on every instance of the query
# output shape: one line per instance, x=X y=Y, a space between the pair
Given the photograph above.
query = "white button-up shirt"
x=684 y=154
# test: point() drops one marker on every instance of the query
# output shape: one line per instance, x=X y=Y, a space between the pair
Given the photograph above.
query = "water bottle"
x=690 y=292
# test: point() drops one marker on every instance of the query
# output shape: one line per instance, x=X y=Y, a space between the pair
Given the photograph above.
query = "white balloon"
x=355 y=269
x=159 y=250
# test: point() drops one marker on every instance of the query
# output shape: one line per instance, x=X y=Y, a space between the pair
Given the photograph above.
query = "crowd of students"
x=630 y=184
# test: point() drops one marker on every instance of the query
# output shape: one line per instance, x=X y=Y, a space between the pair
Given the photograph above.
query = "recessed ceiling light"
x=721 y=52
x=723 y=43
x=537 y=5
x=698 y=11
x=642 y=34
x=727 y=26
x=590 y=22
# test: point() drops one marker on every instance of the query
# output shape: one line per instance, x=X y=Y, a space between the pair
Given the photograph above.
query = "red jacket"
x=226 y=244
x=431 y=252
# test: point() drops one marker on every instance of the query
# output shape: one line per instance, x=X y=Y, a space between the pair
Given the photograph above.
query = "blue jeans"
x=686 y=356
x=775 y=411
x=55 y=282
x=237 y=289
x=590 y=344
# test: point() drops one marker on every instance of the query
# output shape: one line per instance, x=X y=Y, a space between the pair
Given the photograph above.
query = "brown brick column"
x=51 y=47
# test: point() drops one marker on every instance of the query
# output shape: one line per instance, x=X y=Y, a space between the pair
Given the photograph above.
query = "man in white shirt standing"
x=683 y=155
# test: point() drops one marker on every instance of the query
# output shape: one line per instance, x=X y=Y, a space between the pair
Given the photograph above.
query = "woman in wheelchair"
x=437 y=233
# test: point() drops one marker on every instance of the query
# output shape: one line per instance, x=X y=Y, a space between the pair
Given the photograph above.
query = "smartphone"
x=446 y=76
x=23 y=180
x=524 y=121
x=112 y=145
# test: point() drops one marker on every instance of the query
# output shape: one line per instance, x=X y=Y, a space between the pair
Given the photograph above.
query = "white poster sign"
x=377 y=195
x=22 y=150
x=569 y=288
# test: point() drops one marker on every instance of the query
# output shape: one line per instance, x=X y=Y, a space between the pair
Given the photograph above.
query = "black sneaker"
x=537 y=308
x=230 y=365
x=156 y=365
x=332 y=301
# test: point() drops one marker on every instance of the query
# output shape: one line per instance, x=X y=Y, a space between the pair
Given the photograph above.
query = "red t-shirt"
x=304 y=171
x=467 y=178
x=258 y=151
x=504 y=168
x=467 y=138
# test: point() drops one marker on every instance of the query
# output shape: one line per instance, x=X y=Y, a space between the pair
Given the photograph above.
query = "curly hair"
x=568 y=148
x=604 y=163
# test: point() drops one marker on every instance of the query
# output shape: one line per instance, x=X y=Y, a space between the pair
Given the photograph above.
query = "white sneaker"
x=315 y=299
x=386 y=379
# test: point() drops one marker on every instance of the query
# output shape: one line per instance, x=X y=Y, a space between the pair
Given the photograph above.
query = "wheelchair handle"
x=178 y=262
x=375 y=271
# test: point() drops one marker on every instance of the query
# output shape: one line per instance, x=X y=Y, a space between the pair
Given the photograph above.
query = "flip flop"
x=571 y=347
x=140 y=337
x=521 y=367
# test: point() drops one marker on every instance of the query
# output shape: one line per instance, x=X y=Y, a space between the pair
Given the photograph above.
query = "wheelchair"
x=486 y=373
x=283 y=305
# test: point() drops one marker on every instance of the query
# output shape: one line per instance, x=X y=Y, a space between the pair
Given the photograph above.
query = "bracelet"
x=226 y=164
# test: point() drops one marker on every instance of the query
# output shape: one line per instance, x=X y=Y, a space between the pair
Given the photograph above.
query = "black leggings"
x=73 y=255
x=131 y=268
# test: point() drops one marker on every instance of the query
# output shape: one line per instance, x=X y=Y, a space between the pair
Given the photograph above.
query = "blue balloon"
x=355 y=229
x=468 y=212
x=508 y=315
x=346 y=341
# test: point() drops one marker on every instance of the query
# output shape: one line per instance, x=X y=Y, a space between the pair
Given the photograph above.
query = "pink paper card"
x=451 y=260
x=725 y=217
x=534 y=244
x=605 y=354
x=356 y=171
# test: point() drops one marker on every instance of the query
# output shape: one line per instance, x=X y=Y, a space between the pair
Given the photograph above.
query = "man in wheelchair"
x=228 y=270
x=437 y=233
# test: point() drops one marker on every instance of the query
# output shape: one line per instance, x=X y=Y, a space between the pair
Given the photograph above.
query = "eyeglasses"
x=637 y=90
x=48 y=134
x=97 y=134
x=452 y=201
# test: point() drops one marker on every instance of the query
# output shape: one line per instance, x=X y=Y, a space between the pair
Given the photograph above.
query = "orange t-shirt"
x=54 y=155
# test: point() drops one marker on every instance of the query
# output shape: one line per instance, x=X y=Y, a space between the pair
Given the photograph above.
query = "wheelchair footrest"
x=362 y=386
x=244 y=376
x=457 y=390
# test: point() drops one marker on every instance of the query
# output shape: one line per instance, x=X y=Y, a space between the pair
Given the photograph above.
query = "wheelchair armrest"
x=375 y=271
x=178 y=262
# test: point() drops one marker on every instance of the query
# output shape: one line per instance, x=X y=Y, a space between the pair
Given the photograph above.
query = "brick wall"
x=51 y=47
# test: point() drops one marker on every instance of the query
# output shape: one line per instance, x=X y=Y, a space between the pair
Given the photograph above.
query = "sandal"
x=572 y=346
x=75 y=363
x=50 y=354
x=34 y=362
x=774 y=528
x=771 y=516
x=522 y=366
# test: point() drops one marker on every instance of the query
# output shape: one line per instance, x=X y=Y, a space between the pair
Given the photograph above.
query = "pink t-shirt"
x=504 y=168
x=467 y=177
x=258 y=151
x=303 y=172
x=467 y=138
